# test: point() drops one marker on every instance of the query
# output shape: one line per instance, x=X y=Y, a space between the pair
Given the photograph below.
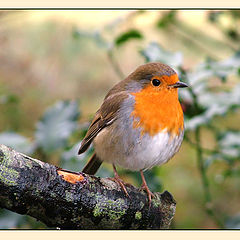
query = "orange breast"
x=155 y=111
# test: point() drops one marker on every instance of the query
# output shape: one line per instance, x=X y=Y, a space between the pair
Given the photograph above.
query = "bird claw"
x=149 y=193
x=119 y=181
x=122 y=185
x=145 y=187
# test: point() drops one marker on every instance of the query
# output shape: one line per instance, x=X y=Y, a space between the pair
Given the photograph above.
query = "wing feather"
x=104 y=117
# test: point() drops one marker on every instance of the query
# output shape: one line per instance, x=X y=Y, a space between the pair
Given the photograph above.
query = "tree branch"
x=68 y=200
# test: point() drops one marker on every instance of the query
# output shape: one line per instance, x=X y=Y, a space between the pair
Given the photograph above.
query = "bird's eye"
x=156 y=82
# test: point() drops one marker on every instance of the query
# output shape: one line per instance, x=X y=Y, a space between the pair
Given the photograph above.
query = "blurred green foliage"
x=125 y=37
x=56 y=125
x=210 y=105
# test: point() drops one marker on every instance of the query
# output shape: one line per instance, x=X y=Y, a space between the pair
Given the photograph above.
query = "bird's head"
x=155 y=77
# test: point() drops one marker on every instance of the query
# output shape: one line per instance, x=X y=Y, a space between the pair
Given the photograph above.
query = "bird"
x=139 y=125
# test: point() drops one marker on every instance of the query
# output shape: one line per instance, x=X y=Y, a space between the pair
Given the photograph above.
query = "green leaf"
x=230 y=139
x=155 y=53
x=166 y=19
x=216 y=104
x=17 y=142
x=125 y=37
x=57 y=125
x=198 y=78
x=76 y=33
x=231 y=172
x=205 y=117
x=230 y=144
x=221 y=69
x=214 y=16
x=4 y=99
x=228 y=151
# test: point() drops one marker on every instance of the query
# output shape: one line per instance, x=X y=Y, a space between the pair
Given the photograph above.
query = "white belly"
x=122 y=145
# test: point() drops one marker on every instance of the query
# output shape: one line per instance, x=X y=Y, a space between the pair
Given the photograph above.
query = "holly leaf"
x=210 y=68
x=126 y=36
x=230 y=144
x=166 y=19
x=155 y=53
x=205 y=117
x=57 y=125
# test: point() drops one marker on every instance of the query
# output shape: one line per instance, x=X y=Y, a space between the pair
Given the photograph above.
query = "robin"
x=139 y=125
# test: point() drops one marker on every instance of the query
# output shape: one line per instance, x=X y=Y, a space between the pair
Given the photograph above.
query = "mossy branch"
x=69 y=200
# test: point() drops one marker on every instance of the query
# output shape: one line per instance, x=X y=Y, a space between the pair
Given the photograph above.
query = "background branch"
x=69 y=200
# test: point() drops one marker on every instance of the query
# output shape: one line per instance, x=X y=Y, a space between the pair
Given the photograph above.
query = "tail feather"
x=92 y=165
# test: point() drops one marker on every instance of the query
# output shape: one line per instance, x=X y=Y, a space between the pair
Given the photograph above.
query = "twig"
x=207 y=195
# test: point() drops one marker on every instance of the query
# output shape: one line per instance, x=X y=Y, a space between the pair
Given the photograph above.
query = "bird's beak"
x=178 y=85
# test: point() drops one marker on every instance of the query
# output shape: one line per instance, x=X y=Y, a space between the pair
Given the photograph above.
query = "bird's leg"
x=145 y=187
x=118 y=180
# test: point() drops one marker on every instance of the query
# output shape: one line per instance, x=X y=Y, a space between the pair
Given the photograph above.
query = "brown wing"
x=104 y=117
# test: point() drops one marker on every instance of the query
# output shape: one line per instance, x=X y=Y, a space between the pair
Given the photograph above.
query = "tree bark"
x=69 y=200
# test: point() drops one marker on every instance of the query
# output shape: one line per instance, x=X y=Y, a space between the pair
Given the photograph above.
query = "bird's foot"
x=149 y=193
x=145 y=187
x=119 y=181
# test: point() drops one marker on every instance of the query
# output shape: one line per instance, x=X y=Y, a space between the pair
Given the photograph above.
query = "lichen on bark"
x=69 y=200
